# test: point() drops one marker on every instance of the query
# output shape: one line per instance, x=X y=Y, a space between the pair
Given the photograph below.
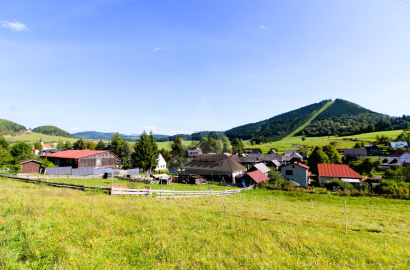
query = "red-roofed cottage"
x=83 y=158
x=340 y=171
x=297 y=172
x=251 y=178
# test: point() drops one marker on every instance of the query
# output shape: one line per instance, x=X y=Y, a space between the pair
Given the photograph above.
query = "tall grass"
x=48 y=228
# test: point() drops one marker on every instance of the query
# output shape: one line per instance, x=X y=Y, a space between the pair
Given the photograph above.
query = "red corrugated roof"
x=337 y=171
x=302 y=165
x=74 y=154
x=258 y=176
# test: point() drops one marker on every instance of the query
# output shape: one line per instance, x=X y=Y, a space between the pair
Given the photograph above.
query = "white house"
x=297 y=172
x=403 y=156
x=193 y=153
x=162 y=164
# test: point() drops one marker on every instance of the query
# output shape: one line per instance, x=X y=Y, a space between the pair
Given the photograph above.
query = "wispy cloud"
x=15 y=26
x=157 y=49
x=75 y=129
x=262 y=27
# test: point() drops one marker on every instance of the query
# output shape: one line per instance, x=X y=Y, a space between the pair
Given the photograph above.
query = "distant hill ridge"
x=52 y=130
x=106 y=136
x=7 y=127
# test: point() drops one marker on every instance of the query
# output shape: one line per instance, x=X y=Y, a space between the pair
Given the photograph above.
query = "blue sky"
x=185 y=66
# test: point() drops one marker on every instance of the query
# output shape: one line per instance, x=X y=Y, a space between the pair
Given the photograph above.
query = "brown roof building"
x=213 y=167
x=31 y=166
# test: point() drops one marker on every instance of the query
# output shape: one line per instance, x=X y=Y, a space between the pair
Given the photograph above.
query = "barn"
x=83 y=159
x=31 y=166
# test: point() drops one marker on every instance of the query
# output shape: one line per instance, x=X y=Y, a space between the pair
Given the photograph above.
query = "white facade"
x=405 y=158
x=162 y=164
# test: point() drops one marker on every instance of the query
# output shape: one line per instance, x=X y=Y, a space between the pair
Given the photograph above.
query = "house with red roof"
x=296 y=172
x=251 y=178
x=83 y=159
x=327 y=172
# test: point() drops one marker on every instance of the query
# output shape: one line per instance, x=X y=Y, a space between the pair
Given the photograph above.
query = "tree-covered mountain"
x=347 y=118
x=52 y=130
x=7 y=127
x=196 y=136
x=277 y=127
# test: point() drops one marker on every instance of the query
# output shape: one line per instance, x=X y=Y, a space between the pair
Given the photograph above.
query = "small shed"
x=31 y=166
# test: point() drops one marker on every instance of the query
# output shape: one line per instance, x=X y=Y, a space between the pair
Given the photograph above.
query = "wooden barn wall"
x=31 y=167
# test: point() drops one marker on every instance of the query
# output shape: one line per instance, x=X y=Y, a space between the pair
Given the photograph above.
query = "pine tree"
x=120 y=148
x=67 y=145
x=79 y=144
x=100 y=145
x=145 y=152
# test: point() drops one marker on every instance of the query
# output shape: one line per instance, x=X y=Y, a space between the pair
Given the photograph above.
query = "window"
x=289 y=172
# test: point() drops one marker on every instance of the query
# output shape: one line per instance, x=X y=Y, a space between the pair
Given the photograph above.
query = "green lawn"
x=32 y=137
x=50 y=228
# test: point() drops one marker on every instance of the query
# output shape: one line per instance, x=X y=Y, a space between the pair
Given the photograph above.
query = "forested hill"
x=7 y=127
x=277 y=127
x=347 y=118
x=52 y=130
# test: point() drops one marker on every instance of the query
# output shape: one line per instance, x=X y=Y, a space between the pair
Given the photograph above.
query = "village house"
x=373 y=150
x=403 y=156
x=193 y=153
x=162 y=164
x=250 y=178
x=399 y=145
x=83 y=159
x=351 y=154
x=30 y=166
x=389 y=162
x=246 y=161
x=261 y=167
x=327 y=172
x=211 y=166
x=296 y=172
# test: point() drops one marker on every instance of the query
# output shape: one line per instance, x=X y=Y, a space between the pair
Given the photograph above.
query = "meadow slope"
x=49 y=228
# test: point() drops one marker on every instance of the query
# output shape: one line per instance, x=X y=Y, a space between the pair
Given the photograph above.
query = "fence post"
x=345 y=219
x=311 y=200
x=209 y=186
x=372 y=208
x=223 y=195
x=271 y=198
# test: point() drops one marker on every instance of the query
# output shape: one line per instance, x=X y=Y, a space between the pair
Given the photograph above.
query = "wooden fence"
x=175 y=193
x=53 y=184
x=131 y=192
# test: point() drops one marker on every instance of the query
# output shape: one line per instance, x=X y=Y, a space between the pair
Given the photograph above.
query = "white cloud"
x=15 y=26
x=262 y=27
x=157 y=49
x=75 y=129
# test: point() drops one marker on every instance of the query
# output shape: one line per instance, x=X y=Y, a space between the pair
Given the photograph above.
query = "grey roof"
x=290 y=152
x=277 y=163
x=262 y=167
x=245 y=159
x=355 y=151
x=390 y=161
x=277 y=157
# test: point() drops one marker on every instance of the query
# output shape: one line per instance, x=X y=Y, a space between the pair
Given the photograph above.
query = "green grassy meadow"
x=32 y=137
x=51 y=228
x=343 y=142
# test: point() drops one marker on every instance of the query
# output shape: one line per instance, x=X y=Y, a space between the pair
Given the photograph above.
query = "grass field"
x=50 y=228
x=347 y=141
x=32 y=137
